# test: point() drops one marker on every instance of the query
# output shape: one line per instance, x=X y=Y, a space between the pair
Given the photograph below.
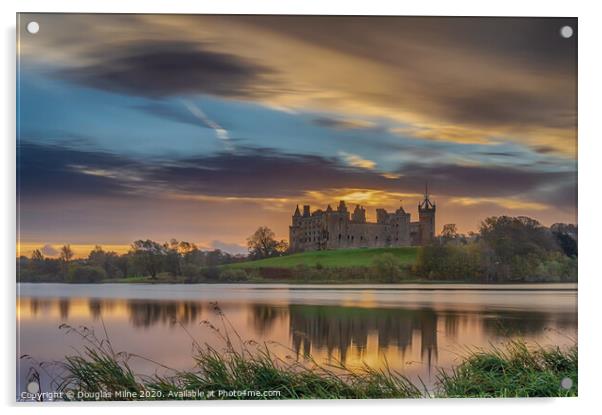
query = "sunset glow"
x=175 y=127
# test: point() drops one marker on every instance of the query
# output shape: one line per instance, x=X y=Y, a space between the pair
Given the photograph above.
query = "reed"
x=97 y=371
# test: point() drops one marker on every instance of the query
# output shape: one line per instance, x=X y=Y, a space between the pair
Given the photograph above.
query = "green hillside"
x=331 y=259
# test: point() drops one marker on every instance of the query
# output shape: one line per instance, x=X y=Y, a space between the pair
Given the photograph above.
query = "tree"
x=149 y=256
x=172 y=257
x=85 y=273
x=263 y=244
x=37 y=256
x=106 y=260
x=566 y=236
x=512 y=236
x=66 y=254
x=449 y=232
x=37 y=262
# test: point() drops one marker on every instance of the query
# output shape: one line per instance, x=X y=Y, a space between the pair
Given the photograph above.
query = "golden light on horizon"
x=509 y=203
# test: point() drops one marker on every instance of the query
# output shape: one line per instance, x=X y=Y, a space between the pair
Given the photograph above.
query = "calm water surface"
x=416 y=329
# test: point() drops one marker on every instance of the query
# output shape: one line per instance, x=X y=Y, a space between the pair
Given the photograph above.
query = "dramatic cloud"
x=204 y=127
x=449 y=79
x=52 y=170
x=165 y=68
x=266 y=174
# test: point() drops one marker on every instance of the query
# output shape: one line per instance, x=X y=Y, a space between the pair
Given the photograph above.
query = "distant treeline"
x=145 y=258
x=506 y=249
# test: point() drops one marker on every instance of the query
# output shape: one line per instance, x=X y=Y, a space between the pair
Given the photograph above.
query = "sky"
x=203 y=128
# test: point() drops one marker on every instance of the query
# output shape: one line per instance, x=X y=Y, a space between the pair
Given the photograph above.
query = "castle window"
x=376 y=238
x=339 y=237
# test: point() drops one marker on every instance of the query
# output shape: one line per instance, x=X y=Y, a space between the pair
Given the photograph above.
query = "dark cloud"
x=515 y=72
x=525 y=41
x=562 y=196
x=157 y=69
x=52 y=171
x=496 y=106
x=515 y=75
x=498 y=153
x=485 y=181
x=544 y=149
x=259 y=173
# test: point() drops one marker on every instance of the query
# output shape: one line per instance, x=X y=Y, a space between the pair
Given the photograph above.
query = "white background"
x=590 y=208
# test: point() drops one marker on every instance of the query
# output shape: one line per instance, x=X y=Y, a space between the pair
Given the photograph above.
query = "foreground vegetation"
x=513 y=371
x=246 y=370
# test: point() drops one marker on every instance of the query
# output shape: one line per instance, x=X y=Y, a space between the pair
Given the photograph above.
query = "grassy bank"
x=341 y=258
x=99 y=372
x=512 y=371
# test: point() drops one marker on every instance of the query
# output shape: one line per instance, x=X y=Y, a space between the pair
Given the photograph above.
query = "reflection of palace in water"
x=337 y=329
x=332 y=330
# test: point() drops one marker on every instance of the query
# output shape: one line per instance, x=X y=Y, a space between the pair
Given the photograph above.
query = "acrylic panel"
x=295 y=207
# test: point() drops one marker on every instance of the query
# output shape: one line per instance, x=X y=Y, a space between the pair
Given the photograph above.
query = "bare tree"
x=66 y=254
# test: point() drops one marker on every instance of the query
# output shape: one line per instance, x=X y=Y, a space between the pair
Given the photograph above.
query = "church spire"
x=297 y=212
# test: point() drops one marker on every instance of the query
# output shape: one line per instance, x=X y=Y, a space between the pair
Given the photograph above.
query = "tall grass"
x=99 y=372
x=512 y=371
x=240 y=366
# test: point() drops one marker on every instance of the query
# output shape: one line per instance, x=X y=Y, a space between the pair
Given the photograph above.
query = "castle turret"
x=306 y=211
x=296 y=216
x=359 y=215
x=426 y=218
x=381 y=216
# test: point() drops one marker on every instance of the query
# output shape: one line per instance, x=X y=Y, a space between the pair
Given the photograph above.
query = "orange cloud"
x=357 y=161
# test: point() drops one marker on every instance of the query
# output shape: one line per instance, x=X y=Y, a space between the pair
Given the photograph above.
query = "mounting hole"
x=566 y=383
x=33 y=27
x=566 y=32
x=33 y=387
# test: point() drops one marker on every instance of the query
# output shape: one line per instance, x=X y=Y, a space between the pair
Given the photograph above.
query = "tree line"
x=505 y=249
x=145 y=258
